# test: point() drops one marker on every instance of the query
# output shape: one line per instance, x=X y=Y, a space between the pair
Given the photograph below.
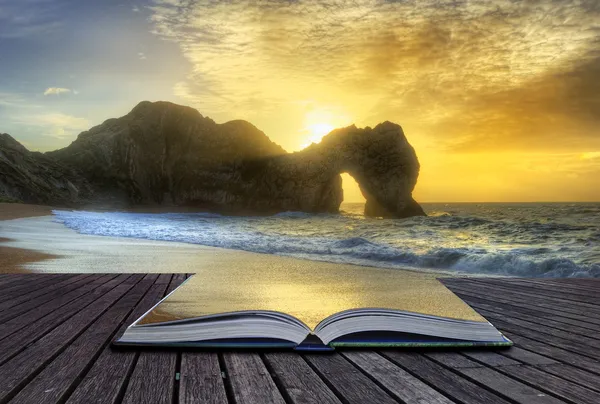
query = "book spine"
x=314 y=348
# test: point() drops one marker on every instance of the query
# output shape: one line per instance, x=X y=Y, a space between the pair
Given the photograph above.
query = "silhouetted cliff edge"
x=167 y=154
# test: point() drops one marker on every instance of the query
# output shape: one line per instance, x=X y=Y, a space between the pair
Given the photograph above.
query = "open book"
x=356 y=307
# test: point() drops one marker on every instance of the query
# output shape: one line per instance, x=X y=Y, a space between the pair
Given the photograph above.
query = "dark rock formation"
x=34 y=178
x=381 y=160
x=162 y=153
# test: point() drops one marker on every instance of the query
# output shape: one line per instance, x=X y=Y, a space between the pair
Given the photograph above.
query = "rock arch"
x=380 y=159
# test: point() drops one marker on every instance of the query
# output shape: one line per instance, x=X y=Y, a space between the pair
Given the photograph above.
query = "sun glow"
x=317 y=131
x=318 y=122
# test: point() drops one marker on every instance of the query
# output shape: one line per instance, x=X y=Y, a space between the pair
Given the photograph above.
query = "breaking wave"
x=534 y=240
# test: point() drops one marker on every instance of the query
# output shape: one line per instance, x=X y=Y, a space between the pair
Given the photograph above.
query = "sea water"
x=519 y=239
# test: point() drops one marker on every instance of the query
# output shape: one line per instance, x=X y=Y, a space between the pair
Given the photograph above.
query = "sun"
x=316 y=132
x=320 y=129
x=319 y=121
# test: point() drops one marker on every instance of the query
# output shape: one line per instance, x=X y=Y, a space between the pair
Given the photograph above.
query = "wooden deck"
x=55 y=333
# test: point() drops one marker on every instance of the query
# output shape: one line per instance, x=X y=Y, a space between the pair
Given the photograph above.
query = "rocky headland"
x=166 y=154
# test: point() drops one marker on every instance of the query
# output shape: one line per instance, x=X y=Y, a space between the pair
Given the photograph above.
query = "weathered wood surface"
x=55 y=334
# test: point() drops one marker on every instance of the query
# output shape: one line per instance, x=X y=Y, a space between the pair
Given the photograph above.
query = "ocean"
x=514 y=239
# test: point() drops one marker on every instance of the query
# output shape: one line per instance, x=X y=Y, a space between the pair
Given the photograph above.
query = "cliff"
x=35 y=178
x=167 y=154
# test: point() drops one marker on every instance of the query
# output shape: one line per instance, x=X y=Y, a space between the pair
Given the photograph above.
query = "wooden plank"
x=298 y=380
x=495 y=380
x=20 y=276
x=12 y=279
x=249 y=379
x=546 y=323
x=568 y=372
x=552 y=384
x=106 y=381
x=24 y=319
x=18 y=341
x=17 y=290
x=39 y=301
x=530 y=290
x=482 y=288
x=175 y=282
x=538 y=304
x=510 y=388
x=450 y=383
x=452 y=360
x=565 y=284
x=557 y=353
x=590 y=345
x=548 y=339
x=527 y=357
x=20 y=369
x=52 y=384
x=153 y=378
x=549 y=287
x=401 y=384
x=164 y=279
x=490 y=358
x=30 y=282
x=43 y=293
x=201 y=380
x=347 y=381
x=525 y=308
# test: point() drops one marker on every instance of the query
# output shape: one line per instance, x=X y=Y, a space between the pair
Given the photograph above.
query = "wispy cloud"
x=474 y=72
x=13 y=100
x=57 y=91
x=54 y=124
x=590 y=156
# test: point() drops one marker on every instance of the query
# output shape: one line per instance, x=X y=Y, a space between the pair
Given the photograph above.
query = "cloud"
x=475 y=74
x=135 y=9
x=54 y=124
x=14 y=100
x=556 y=110
x=56 y=91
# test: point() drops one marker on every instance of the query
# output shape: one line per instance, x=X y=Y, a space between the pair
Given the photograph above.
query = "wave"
x=388 y=244
x=293 y=215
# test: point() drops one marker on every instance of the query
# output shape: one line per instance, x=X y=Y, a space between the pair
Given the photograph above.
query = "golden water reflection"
x=309 y=294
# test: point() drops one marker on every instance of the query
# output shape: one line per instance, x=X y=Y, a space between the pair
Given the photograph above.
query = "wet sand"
x=12 y=260
x=38 y=244
x=19 y=210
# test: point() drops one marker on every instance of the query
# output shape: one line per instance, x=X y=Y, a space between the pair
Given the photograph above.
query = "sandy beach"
x=31 y=241
x=12 y=260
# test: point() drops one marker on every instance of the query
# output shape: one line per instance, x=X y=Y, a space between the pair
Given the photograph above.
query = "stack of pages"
x=356 y=307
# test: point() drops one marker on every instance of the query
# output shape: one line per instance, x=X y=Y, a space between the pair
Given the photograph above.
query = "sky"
x=500 y=98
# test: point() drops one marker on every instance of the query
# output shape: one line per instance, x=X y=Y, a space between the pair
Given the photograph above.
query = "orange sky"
x=501 y=99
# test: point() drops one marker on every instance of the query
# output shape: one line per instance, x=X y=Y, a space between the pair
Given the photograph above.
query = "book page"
x=310 y=293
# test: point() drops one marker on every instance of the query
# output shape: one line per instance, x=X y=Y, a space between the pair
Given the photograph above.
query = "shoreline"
x=35 y=243
x=10 y=211
x=13 y=260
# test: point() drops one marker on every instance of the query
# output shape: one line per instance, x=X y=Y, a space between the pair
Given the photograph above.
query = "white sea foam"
x=550 y=240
